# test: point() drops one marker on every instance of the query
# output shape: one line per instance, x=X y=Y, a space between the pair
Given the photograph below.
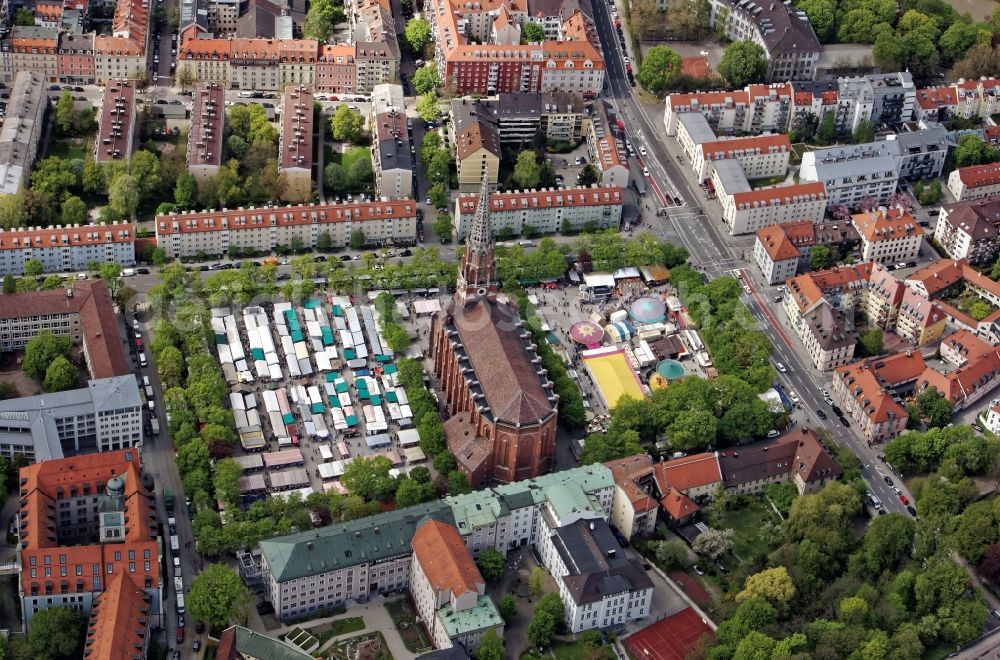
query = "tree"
x=346 y=125
x=980 y=60
x=56 y=633
x=319 y=21
x=425 y=79
x=124 y=195
x=956 y=41
x=360 y=174
x=33 y=268
x=218 y=596
x=827 y=131
x=588 y=175
x=438 y=167
x=752 y=614
x=418 y=34
x=41 y=351
x=74 y=211
x=491 y=564
x=536 y=581
x=170 y=366
x=713 y=543
x=186 y=191
x=541 y=629
x=977 y=529
x=65 y=113
x=821 y=15
x=972 y=150
x=508 y=608
x=772 y=584
x=443 y=227
x=10 y=284
x=913 y=45
x=439 y=198
x=743 y=62
x=820 y=257
x=755 y=646
x=608 y=446
x=692 y=430
x=458 y=483
x=989 y=566
x=872 y=341
x=60 y=376
x=226 y=481
x=659 y=69
x=490 y=646
x=852 y=610
x=427 y=107
x=526 y=171
x=412 y=492
x=358 y=239
x=934 y=407
x=671 y=555
x=12 y=212
x=864 y=132
x=24 y=17
x=334 y=179
x=532 y=33
x=367 y=477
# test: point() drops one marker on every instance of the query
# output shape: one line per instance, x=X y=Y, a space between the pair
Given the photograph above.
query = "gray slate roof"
x=596 y=562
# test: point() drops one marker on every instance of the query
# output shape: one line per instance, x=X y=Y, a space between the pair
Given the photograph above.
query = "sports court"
x=614 y=375
x=668 y=639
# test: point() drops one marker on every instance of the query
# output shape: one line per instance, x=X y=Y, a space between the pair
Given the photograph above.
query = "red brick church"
x=502 y=403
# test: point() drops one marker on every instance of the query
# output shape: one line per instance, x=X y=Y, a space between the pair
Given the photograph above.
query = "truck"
x=179 y=585
x=168 y=499
x=172 y=525
x=155 y=426
x=175 y=544
x=142 y=359
x=180 y=603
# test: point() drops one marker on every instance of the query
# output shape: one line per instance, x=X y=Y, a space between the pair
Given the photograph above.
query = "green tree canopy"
x=368 y=477
x=418 y=34
x=743 y=62
x=218 y=596
x=659 y=69
x=491 y=564
x=526 y=170
x=491 y=646
x=428 y=108
x=532 y=32
x=41 y=351
x=346 y=125
x=60 y=376
x=425 y=79
x=56 y=633
x=821 y=15
x=972 y=150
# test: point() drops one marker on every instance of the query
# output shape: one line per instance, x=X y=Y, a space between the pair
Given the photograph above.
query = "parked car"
x=780 y=367
x=821 y=413
x=698 y=569
x=911 y=510
x=180 y=635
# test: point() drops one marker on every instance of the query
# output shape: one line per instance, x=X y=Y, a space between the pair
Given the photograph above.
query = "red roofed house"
x=779 y=248
x=978 y=373
x=968 y=230
x=119 y=621
x=867 y=390
x=503 y=405
x=683 y=480
x=944 y=278
x=448 y=589
x=888 y=236
x=88 y=539
x=975 y=181
x=797 y=457
x=633 y=509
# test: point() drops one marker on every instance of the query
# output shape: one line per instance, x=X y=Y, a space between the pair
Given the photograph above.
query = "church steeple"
x=477 y=276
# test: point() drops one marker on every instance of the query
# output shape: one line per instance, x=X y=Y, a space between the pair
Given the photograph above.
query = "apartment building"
x=968 y=230
x=373 y=555
x=336 y=70
x=87 y=531
x=118 y=58
x=394 y=166
x=377 y=64
x=943 y=279
x=297 y=62
x=599 y=586
x=208 y=130
x=977 y=373
x=919 y=320
x=888 y=236
x=778 y=249
x=295 y=144
x=633 y=508
x=386 y=98
x=21 y=131
x=781 y=30
x=965 y=98
x=546 y=211
x=106 y=415
x=871 y=391
x=852 y=173
x=827 y=335
x=684 y=483
x=66 y=248
x=746 y=210
x=920 y=154
x=974 y=182
x=758 y=156
x=478 y=50
x=262 y=229
x=75 y=61
x=36 y=49
x=477 y=144
x=881 y=98
x=117 y=127
x=605 y=149
x=751 y=110
x=449 y=592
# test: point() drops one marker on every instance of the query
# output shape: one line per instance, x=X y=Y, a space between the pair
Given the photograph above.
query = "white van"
x=145 y=381
x=128 y=272
x=246 y=94
x=152 y=405
x=142 y=359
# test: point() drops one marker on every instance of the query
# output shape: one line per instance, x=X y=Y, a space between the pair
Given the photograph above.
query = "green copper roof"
x=255 y=645
x=478 y=509
x=368 y=539
x=567 y=499
x=483 y=615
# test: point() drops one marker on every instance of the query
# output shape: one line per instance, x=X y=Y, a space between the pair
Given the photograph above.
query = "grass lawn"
x=579 y=651
x=352 y=155
x=68 y=149
x=752 y=535
x=765 y=183
x=336 y=628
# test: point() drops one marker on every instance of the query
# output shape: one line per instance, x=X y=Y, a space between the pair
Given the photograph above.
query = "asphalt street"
x=716 y=253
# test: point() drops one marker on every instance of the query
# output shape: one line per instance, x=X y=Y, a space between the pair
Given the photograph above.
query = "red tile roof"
x=66 y=236
x=780 y=195
x=886 y=225
x=116 y=126
x=445 y=560
x=297 y=128
x=544 y=199
x=933 y=98
x=782 y=242
x=970 y=346
x=965 y=381
x=282 y=216
x=687 y=473
x=627 y=471
x=119 y=620
x=866 y=382
x=677 y=504
x=977 y=176
x=746 y=146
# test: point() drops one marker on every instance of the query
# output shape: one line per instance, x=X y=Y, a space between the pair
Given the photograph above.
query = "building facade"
x=67 y=248
x=888 y=236
x=21 y=131
x=263 y=229
x=782 y=31
x=208 y=129
x=968 y=230
x=853 y=173
x=546 y=211
x=974 y=182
